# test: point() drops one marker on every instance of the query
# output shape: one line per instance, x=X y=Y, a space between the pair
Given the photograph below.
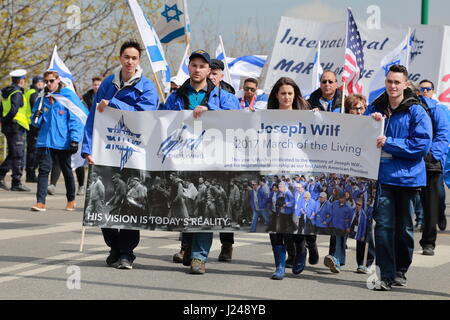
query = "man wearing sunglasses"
x=14 y=126
x=59 y=132
x=251 y=99
x=426 y=88
x=327 y=97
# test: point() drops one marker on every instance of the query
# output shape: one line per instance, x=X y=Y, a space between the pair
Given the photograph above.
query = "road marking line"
x=39 y=270
x=22 y=233
x=9 y=220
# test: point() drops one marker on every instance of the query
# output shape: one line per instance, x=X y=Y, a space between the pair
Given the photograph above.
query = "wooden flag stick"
x=158 y=85
x=83 y=233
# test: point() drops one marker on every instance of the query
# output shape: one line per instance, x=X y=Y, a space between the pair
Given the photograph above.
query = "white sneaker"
x=80 y=191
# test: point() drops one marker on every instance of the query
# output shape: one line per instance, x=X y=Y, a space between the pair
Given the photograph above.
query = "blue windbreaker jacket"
x=408 y=134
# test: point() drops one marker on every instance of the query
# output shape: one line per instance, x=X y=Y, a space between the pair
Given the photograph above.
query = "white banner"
x=296 y=42
x=268 y=140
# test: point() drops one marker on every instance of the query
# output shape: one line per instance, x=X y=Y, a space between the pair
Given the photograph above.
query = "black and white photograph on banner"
x=315 y=203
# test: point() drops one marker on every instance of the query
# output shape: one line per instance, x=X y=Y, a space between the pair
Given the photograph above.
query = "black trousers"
x=431 y=205
x=56 y=173
x=15 y=136
x=122 y=241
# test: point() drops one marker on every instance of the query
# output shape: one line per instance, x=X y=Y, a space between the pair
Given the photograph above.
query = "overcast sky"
x=227 y=17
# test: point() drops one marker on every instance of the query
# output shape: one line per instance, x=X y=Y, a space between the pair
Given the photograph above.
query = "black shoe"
x=187 y=256
x=125 y=264
x=112 y=260
x=20 y=187
x=383 y=285
x=3 y=185
x=428 y=251
x=289 y=261
x=442 y=223
x=313 y=254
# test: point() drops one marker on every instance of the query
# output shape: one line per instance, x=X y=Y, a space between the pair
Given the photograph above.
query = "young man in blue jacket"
x=199 y=94
x=406 y=140
x=60 y=131
x=126 y=89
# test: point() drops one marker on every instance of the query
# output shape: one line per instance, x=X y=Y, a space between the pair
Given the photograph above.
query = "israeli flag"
x=397 y=56
x=70 y=100
x=183 y=72
x=56 y=64
x=151 y=42
x=245 y=66
x=173 y=23
x=315 y=74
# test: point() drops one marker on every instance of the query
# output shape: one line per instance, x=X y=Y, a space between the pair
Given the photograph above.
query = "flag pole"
x=227 y=71
x=159 y=87
x=343 y=98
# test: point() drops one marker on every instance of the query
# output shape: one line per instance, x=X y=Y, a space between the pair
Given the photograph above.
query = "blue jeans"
x=339 y=253
x=46 y=157
x=256 y=214
x=201 y=244
x=394 y=235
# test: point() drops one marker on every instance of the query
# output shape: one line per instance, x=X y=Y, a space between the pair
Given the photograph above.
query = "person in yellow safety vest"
x=31 y=97
x=14 y=125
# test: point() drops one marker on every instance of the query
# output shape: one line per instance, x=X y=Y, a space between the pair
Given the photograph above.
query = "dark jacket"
x=88 y=97
x=314 y=101
x=408 y=134
x=178 y=100
x=227 y=87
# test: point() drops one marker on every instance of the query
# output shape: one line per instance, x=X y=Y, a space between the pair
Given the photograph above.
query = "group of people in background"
x=414 y=148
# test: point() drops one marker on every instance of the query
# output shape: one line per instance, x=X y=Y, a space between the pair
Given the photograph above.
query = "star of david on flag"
x=167 y=10
x=173 y=23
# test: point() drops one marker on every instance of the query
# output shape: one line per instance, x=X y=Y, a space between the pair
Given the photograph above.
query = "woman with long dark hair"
x=286 y=95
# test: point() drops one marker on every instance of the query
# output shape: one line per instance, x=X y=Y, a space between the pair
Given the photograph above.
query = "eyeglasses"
x=49 y=81
x=422 y=89
x=327 y=81
x=249 y=89
x=358 y=109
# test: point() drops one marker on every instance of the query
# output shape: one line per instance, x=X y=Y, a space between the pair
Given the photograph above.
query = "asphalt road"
x=40 y=259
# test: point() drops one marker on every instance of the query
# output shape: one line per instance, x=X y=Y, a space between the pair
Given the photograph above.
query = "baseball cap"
x=37 y=79
x=323 y=195
x=200 y=54
x=217 y=64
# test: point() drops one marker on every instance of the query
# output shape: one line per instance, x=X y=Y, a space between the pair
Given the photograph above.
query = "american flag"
x=354 y=56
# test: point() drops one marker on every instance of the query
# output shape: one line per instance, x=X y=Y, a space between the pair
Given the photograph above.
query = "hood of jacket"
x=409 y=99
x=182 y=91
x=117 y=81
x=10 y=89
